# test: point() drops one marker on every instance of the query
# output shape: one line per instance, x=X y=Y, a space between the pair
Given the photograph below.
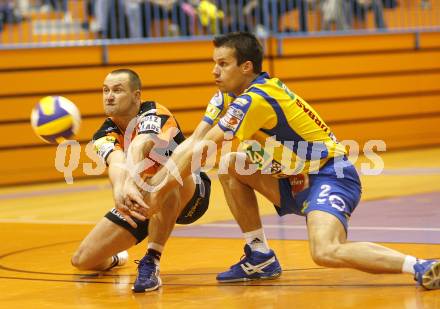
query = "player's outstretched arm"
x=201 y=130
x=184 y=148
x=137 y=162
x=182 y=159
x=118 y=174
x=136 y=190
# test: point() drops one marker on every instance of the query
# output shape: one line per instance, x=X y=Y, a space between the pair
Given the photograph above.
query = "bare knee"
x=224 y=178
x=172 y=209
x=227 y=164
x=81 y=260
x=227 y=169
x=325 y=255
x=77 y=259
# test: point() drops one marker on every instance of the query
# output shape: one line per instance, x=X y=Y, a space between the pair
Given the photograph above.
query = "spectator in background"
x=146 y=18
x=210 y=16
x=58 y=6
x=334 y=12
x=23 y=8
x=360 y=8
x=101 y=9
x=425 y=4
x=134 y=14
x=263 y=15
x=110 y=18
x=9 y=14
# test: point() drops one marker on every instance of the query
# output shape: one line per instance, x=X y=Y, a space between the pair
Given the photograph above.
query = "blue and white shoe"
x=427 y=274
x=148 y=276
x=253 y=266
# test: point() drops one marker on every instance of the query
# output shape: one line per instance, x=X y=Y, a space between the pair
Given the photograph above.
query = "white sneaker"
x=122 y=258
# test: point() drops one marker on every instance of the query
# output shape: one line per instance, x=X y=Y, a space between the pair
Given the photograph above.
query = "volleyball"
x=55 y=119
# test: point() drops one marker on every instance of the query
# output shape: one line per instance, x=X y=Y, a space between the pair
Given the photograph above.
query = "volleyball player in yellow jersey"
x=301 y=170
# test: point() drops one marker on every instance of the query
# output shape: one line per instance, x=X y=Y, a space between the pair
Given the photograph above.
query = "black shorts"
x=195 y=209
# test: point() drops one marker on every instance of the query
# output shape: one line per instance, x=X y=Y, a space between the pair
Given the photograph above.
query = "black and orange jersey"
x=152 y=118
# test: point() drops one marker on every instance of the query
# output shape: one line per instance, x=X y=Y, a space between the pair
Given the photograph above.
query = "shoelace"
x=244 y=258
x=416 y=273
x=146 y=267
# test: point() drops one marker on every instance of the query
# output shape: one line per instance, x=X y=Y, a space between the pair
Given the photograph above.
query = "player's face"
x=119 y=99
x=229 y=77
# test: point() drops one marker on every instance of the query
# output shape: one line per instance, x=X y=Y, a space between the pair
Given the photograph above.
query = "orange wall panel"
x=361 y=92
x=378 y=108
x=77 y=79
x=19 y=134
x=354 y=87
x=91 y=103
x=50 y=57
x=327 y=66
x=344 y=44
x=36 y=164
x=400 y=133
x=21 y=107
x=430 y=39
x=167 y=51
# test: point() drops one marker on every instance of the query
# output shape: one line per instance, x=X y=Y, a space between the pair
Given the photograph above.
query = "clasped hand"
x=133 y=202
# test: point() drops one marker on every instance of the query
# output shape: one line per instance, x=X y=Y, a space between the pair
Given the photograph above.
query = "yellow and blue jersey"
x=280 y=132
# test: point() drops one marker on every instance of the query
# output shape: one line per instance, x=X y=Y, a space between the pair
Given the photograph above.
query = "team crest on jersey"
x=150 y=123
x=104 y=145
x=337 y=202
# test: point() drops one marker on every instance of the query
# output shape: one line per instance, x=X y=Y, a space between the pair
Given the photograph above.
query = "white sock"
x=408 y=264
x=257 y=241
x=156 y=247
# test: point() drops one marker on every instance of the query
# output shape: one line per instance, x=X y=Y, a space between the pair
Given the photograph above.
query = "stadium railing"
x=29 y=23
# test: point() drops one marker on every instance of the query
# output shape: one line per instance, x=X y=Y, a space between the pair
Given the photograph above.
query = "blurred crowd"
x=15 y=11
x=188 y=17
x=137 y=18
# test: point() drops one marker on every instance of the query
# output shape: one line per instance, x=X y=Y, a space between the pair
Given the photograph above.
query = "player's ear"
x=247 y=67
x=137 y=94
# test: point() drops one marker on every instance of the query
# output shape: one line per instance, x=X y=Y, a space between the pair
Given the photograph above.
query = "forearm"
x=116 y=171
x=118 y=176
x=188 y=157
x=139 y=149
x=179 y=164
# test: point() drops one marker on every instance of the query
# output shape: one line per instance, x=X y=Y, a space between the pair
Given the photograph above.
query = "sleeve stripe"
x=208 y=120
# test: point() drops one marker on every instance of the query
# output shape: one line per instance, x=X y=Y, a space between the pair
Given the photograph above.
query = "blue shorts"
x=335 y=189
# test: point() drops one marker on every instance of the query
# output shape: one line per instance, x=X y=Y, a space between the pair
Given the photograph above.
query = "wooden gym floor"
x=42 y=225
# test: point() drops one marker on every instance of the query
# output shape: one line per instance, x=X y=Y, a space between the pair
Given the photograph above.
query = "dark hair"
x=246 y=45
x=135 y=81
